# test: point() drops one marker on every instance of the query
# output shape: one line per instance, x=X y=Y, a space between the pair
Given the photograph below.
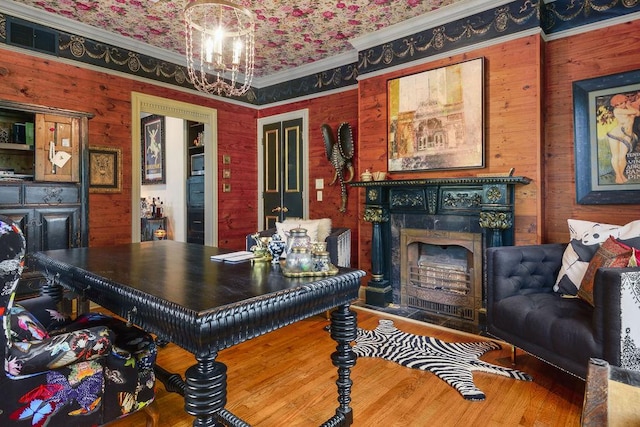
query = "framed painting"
x=153 y=150
x=436 y=119
x=105 y=170
x=606 y=131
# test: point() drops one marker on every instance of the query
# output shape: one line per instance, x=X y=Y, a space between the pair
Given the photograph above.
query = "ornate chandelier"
x=220 y=46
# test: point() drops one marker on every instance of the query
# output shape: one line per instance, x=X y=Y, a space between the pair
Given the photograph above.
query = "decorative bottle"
x=298 y=237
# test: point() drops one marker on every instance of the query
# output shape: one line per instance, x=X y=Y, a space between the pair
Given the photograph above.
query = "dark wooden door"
x=283 y=171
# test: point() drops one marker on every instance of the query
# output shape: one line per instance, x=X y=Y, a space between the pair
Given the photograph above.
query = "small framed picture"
x=153 y=146
x=105 y=170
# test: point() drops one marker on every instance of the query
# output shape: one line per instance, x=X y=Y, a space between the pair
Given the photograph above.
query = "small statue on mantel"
x=340 y=155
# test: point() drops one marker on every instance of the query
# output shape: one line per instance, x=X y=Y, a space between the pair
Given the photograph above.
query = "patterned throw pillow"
x=634 y=261
x=612 y=253
x=586 y=238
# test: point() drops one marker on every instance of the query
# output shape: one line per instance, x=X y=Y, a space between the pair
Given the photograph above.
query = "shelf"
x=10 y=146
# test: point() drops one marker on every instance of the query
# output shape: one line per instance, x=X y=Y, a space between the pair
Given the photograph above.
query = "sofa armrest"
x=339 y=247
x=511 y=270
x=615 y=316
x=57 y=351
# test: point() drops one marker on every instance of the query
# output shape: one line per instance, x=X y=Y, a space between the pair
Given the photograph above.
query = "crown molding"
x=417 y=24
x=593 y=26
x=319 y=66
x=60 y=23
x=454 y=52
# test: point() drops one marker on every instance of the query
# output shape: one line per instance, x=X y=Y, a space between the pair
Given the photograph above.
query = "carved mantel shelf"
x=487 y=201
x=472 y=180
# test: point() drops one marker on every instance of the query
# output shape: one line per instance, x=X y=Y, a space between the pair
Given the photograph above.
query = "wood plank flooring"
x=286 y=378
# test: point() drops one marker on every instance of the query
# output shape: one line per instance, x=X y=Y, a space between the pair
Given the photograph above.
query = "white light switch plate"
x=319 y=195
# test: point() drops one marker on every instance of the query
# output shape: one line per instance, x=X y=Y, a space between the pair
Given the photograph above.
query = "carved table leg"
x=343 y=331
x=205 y=394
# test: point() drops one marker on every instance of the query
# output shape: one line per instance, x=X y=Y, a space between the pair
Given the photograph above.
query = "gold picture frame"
x=436 y=119
x=105 y=170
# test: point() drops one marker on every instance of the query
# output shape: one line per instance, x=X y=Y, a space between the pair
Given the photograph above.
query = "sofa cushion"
x=546 y=320
x=611 y=253
x=585 y=239
x=317 y=229
x=284 y=228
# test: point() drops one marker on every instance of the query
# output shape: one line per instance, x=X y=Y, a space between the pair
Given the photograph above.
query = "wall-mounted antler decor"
x=340 y=154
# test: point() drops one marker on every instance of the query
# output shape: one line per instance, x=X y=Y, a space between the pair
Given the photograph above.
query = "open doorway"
x=147 y=104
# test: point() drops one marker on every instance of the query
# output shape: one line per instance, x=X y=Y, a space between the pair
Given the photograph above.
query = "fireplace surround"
x=472 y=213
x=441 y=272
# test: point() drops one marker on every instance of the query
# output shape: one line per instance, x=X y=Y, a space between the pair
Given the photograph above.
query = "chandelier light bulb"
x=220 y=46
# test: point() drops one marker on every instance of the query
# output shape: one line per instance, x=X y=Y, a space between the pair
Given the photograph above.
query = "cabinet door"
x=22 y=218
x=195 y=192
x=57 y=148
x=59 y=228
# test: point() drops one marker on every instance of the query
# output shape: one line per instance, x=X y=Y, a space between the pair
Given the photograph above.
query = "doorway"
x=141 y=103
x=283 y=167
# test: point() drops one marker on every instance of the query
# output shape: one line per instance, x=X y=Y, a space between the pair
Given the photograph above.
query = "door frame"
x=166 y=107
x=298 y=114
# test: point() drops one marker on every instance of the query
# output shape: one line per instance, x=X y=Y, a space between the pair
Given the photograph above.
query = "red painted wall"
x=528 y=125
x=33 y=80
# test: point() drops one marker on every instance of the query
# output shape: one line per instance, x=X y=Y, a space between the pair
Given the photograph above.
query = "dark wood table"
x=175 y=291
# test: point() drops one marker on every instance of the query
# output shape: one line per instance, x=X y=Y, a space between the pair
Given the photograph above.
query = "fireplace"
x=441 y=273
x=440 y=227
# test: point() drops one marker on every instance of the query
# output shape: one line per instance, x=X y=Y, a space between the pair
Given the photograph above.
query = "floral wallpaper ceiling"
x=288 y=34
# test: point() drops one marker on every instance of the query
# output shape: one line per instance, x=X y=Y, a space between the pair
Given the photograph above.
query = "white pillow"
x=323 y=227
x=585 y=239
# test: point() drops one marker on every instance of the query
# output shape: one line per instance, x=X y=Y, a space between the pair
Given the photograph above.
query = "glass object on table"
x=297 y=238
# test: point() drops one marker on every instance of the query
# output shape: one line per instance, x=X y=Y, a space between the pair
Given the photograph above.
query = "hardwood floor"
x=286 y=378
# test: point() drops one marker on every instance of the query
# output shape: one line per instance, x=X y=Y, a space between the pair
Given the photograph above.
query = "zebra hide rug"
x=451 y=362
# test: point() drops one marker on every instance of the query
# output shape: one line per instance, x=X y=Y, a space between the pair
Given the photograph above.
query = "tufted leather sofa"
x=523 y=310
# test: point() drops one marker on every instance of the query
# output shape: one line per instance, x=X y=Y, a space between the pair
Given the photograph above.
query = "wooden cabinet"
x=57 y=148
x=50 y=215
x=48 y=200
x=195 y=209
x=16 y=144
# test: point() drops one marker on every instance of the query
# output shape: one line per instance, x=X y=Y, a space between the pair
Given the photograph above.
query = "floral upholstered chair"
x=62 y=373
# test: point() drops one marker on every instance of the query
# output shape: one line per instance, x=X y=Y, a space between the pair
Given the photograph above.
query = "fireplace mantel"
x=469 y=180
x=483 y=204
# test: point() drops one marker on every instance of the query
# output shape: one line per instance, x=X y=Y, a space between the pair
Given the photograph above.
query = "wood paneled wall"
x=512 y=128
x=41 y=81
x=597 y=53
x=528 y=125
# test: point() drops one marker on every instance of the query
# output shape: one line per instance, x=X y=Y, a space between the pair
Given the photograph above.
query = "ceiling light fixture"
x=220 y=46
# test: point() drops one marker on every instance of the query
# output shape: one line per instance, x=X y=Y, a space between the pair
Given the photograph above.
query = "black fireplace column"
x=378 y=291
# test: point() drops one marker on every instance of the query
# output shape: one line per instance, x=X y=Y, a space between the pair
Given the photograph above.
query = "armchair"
x=524 y=310
x=61 y=373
